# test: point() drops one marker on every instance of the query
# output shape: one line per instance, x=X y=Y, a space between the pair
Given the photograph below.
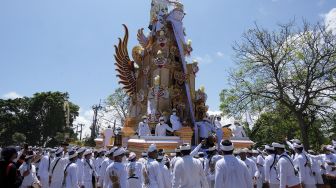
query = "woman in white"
x=28 y=171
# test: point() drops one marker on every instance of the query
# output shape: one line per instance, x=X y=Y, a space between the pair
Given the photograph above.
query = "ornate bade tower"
x=159 y=78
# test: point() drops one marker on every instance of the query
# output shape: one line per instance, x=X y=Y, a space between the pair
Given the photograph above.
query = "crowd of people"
x=221 y=167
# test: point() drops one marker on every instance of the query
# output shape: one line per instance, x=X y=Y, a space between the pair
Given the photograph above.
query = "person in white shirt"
x=205 y=128
x=98 y=160
x=210 y=165
x=43 y=170
x=304 y=165
x=219 y=130
x=107 y=161
x=89 y=170
x=316 y=161
x=28 y=171
x=134 y=170
x=143 y=128
x=162 y=127
x=250 y=164
x=117 y=170
x=56 y=171
x=143 y=159
x=271 y=175
x=71 y=171
x=167 y=176
x=152 y=172
x=288 y=174
x=175 y=121
x=175 y=158
x=238 y=131
x=80 y=166
x=328 y=164
x=188 y=171
x=260 y=166
x=230 y=171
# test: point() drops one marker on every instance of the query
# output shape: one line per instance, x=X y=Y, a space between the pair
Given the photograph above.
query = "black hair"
x=300 y=149
x=8 y=153
x=185 y=152
x=227 y=143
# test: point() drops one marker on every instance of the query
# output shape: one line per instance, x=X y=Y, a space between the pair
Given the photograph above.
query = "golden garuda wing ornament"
x=124 y=66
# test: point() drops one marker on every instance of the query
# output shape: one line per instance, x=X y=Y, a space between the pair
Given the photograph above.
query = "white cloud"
x=207 y=59
x=214 y=112
x=11 y=95
x=330 y=20
x=220 y=54
x=85 y=117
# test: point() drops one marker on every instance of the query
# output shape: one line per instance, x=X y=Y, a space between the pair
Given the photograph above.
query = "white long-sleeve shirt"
x=102 y=171
x=119 y=170
x=286 y=172
x=31 y=177
x=80 y=171
x=143 y=129
x=260 y=166
x=160 y=129
x=304 y=165
x=252 y=167
x=71 y=178
x=58 y=164
x=188 y=172
x=89 y=170
x=271 y=174
x=153 y=171
x=44 y=165
x=329 y=158
x=167 y=176
x=97 y=163
x=232 y=172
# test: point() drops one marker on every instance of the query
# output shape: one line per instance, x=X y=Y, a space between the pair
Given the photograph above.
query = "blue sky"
x=67 y=45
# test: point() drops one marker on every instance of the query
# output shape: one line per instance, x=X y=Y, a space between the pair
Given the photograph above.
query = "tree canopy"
x=39 y=118
x=292 y=66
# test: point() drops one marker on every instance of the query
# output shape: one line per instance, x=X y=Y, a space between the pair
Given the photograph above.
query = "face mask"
x=145 y=120
x=174 y=113
x=161 y=122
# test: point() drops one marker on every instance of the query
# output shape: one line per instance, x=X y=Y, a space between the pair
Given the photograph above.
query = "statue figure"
x=108 y=135
x=155 y=95
x=159 y=79
x=175 y=121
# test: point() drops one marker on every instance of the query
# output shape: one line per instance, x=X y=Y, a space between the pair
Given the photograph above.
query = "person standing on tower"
x=143 y=128
x=175 y=121
x=162 y=127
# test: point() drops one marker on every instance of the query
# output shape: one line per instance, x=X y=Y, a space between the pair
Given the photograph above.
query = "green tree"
x=291 y=66
x=118 y=104
x=39 y=117
x=18 y=138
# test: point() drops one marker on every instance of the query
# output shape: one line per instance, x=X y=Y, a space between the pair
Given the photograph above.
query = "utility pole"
x=94 y=130
x=80 y=131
